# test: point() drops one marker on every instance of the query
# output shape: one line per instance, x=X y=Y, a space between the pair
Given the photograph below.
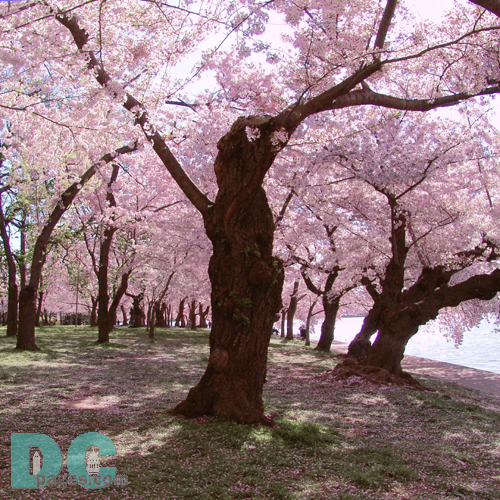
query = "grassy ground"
x=331 y=440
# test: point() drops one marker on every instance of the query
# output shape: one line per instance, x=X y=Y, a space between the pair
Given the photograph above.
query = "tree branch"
x=310 y=285
x=292 y=116
x=280 y=216
x=189 y=188
x=67 y=198
x=385 y=23
x=368 y=96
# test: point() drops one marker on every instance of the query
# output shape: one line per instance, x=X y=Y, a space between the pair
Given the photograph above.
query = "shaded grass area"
x=330 y=440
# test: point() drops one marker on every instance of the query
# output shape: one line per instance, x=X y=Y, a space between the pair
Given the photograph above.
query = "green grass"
x=330 y=440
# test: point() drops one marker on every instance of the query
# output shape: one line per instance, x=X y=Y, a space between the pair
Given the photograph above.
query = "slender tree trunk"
x=331 y=309
x=308 y=322
x=192 y=315
x=103 y=315
x=12 y=299
x=151 y=318
x=170 y=318
x=124 y=314
x=39 y=308
x=292 y=308
x=105 y=321
x=22 y=254
x=203 y=315
x=93 y=311
x=180 y=314
x=283 y=322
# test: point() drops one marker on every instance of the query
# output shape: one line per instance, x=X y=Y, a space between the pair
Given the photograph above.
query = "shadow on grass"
x=330 y=441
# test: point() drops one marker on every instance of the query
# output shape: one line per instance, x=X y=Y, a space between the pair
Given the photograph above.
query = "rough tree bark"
x=246 y=283
x=360 y=344
x=39 y=307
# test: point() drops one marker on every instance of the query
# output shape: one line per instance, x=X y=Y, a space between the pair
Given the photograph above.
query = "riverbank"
x=479 y=348
x=479 y=380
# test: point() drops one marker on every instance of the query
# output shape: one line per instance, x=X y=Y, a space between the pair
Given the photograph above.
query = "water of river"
x=480 y=348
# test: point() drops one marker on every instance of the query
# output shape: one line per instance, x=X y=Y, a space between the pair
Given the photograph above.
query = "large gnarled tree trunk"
x=397 y=312
x=137 y=318
x=396 y=330
x=203 y=313
x=246 y=285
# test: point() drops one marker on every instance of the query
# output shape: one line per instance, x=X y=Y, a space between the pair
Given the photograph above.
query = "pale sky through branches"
x=425 y=10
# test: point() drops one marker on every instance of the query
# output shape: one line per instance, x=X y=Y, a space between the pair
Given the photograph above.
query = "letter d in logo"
x=20 y=476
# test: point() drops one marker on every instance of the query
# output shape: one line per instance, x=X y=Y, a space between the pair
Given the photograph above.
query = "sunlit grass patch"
x=304 y=433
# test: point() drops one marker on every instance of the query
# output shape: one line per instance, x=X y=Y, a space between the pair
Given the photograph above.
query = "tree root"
x=234 y=413
x=356 y=372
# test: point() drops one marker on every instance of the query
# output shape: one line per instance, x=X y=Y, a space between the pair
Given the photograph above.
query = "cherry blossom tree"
x=436 y=250
x=64 y=187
